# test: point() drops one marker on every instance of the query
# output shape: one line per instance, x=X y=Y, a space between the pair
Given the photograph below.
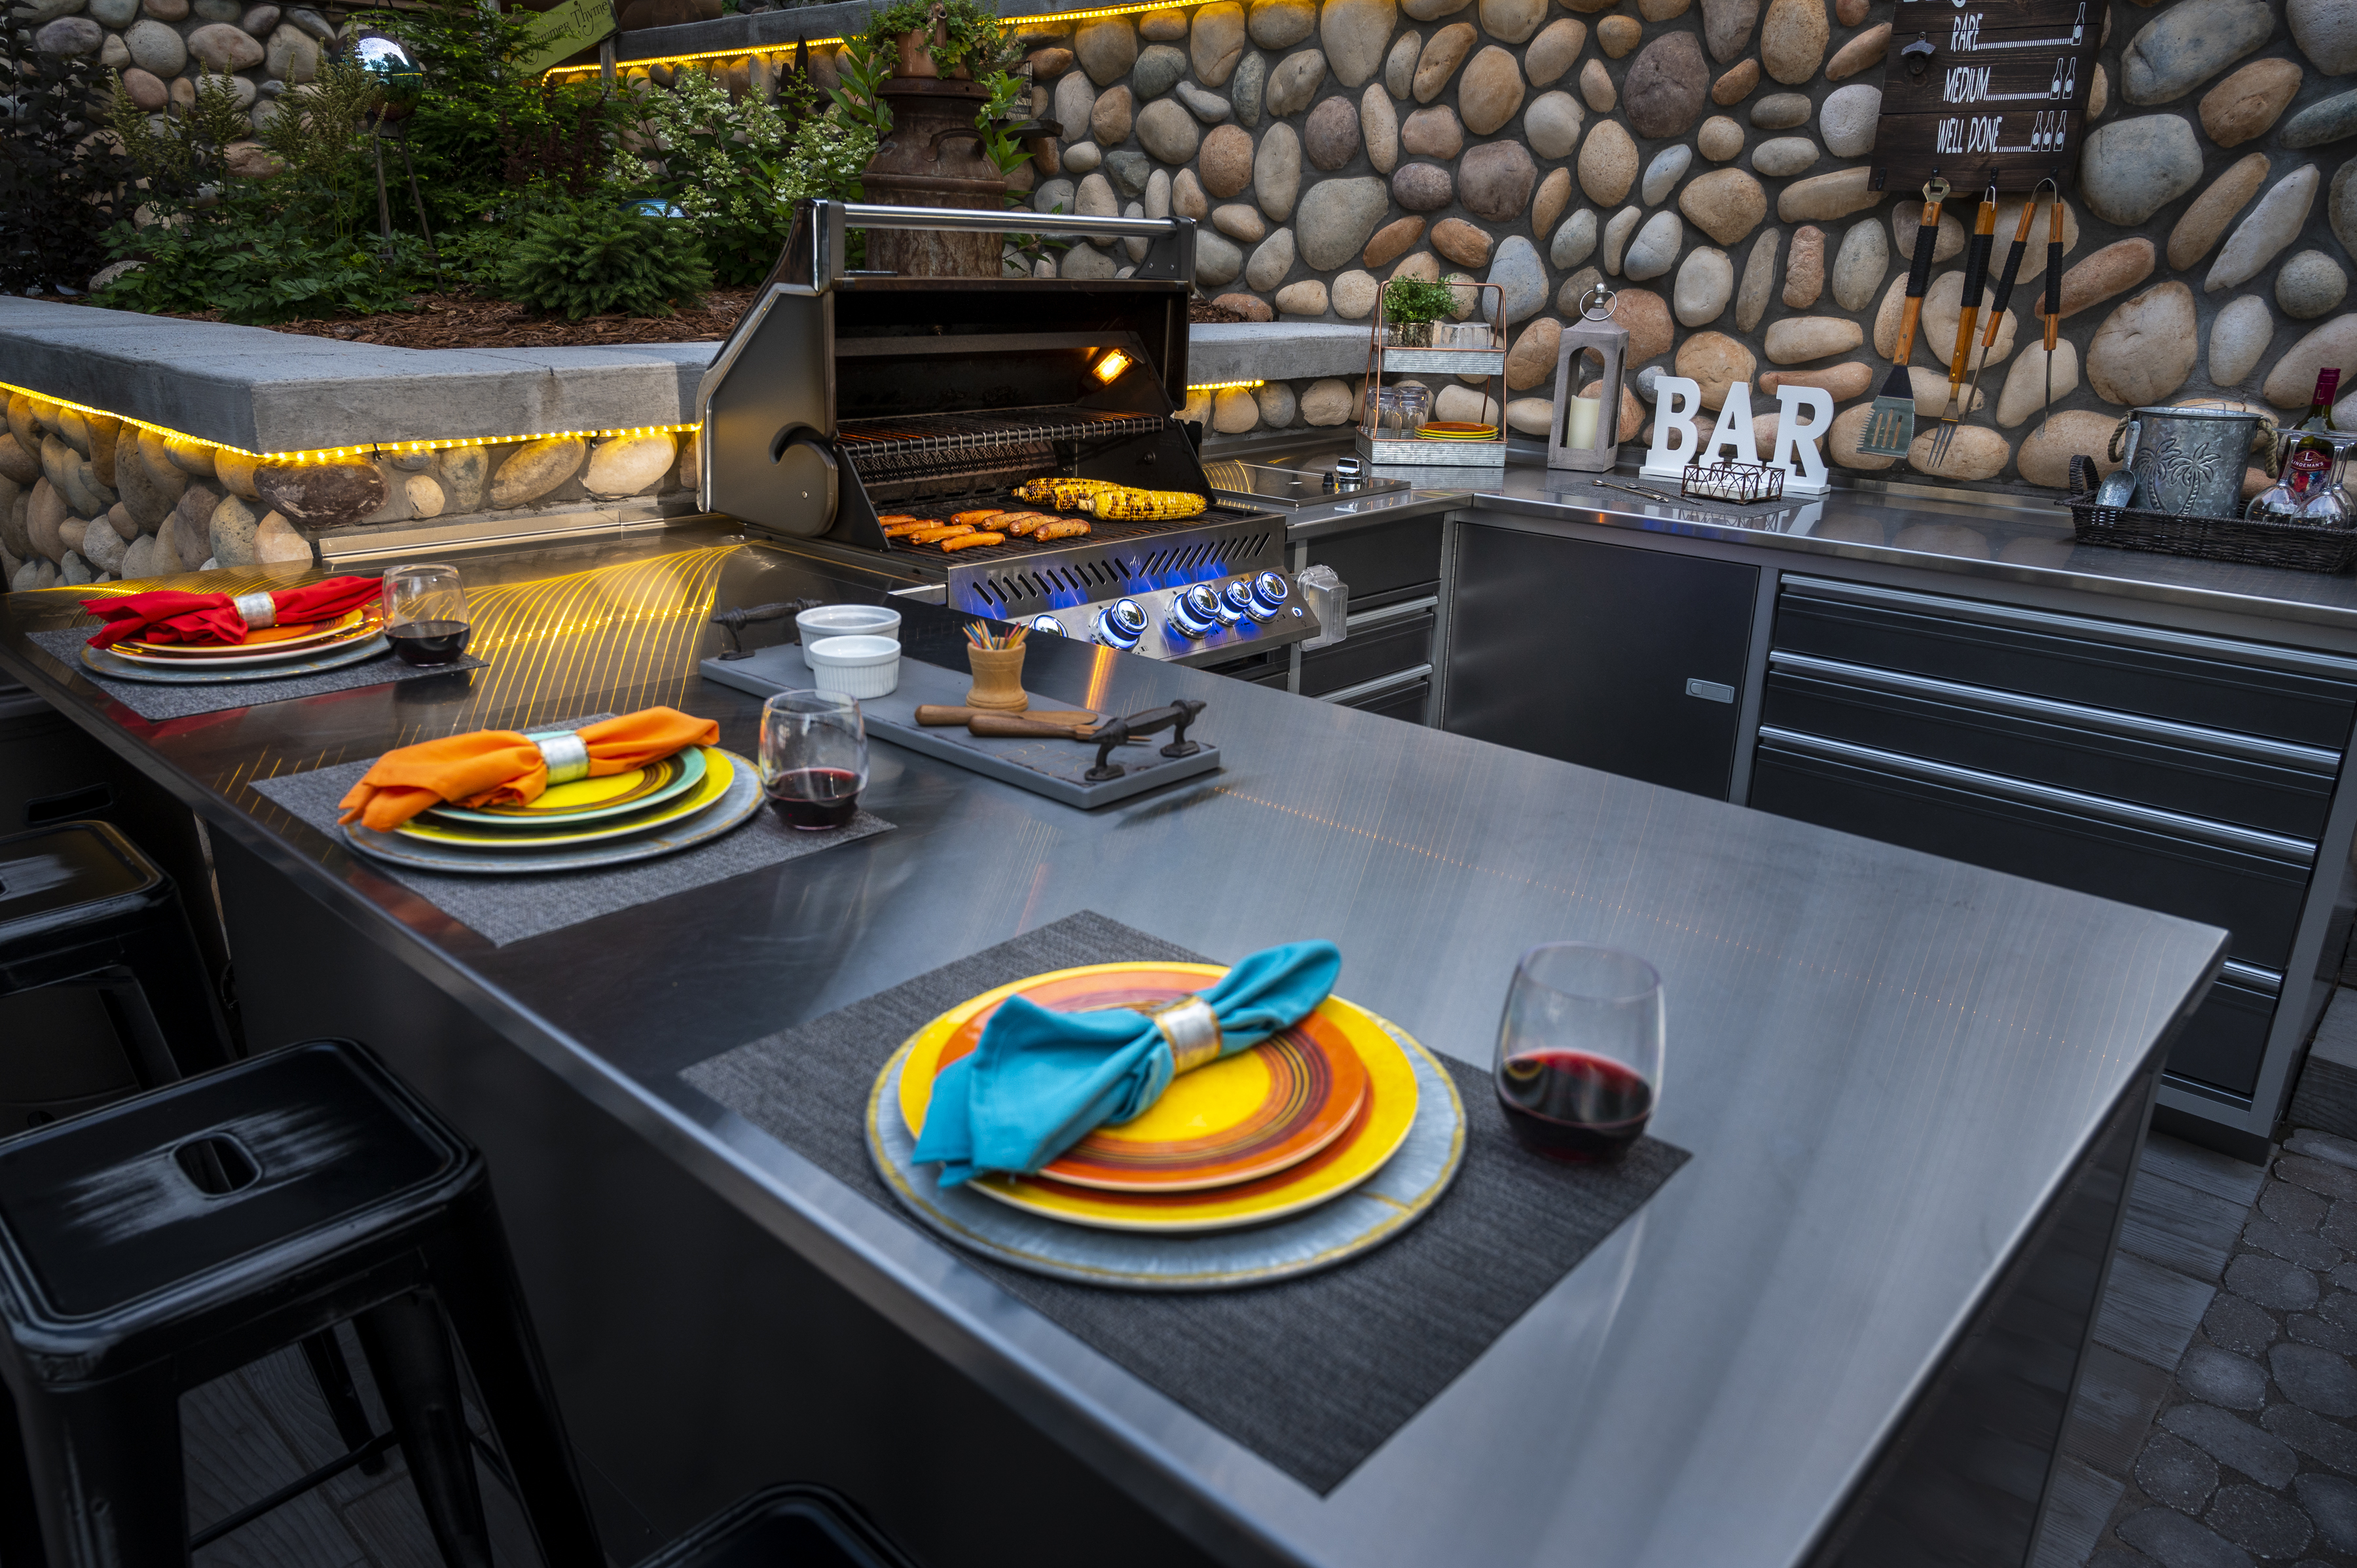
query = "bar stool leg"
x=325 y=1353
x=106 y=1474
x=180 y=993
x=476 y=1278
x=409 y=1351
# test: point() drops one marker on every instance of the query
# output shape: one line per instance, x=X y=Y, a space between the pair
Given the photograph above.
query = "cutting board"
x=1049 y=768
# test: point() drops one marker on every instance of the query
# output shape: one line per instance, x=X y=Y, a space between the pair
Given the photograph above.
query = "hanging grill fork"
x=1968 y=302
x=2005 y=283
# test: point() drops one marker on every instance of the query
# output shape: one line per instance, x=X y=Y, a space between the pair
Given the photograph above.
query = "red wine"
x=430 y=641
x=1569 y=1105
x=815 y=798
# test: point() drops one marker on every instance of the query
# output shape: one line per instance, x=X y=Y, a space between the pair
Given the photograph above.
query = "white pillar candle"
x=1580 y=426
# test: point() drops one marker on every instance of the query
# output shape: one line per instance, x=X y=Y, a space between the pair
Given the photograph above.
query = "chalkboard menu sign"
x=1985 y=92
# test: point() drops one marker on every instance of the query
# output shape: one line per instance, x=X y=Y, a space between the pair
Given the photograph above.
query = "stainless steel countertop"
x=1883 y=1063
x=1994 y=536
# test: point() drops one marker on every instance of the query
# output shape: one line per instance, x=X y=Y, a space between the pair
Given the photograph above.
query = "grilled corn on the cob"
x=1126 y=505
x=1060 y=492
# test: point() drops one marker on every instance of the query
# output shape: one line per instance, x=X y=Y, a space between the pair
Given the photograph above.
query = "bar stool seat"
x=807 y=1527
x=81 y=905
x=153 y=1245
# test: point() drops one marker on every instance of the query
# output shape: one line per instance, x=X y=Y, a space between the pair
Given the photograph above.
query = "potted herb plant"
x=936 y=37
x=1410 y=307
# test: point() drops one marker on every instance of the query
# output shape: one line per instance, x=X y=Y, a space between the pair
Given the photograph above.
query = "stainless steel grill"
x=839 y=398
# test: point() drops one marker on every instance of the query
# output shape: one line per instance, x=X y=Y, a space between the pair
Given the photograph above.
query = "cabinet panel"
x=1583 y=651
x=2256 y=898
x=2048 y=749
x=2225 y=1040
x=2214 y=692
x=1369 y=653
x=1383 y=564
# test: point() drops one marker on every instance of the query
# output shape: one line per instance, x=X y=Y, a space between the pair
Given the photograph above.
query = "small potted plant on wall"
x=936 y=37
x=1410 y=307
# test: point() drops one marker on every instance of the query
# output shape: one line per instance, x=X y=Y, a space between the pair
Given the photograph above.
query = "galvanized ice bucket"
x=2188 y=462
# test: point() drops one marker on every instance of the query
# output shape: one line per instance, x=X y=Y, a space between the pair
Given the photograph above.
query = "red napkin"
x=167 y=615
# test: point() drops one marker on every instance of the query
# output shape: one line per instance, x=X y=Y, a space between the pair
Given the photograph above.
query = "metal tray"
x=1049 y=768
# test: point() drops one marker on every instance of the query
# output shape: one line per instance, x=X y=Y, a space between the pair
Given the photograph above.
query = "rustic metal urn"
x=933 y=156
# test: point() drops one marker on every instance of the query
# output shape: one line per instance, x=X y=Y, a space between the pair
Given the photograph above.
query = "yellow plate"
x=718 y=772
x=1204 y=1094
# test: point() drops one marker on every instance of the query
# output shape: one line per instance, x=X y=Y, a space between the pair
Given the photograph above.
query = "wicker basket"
x=2302 y=547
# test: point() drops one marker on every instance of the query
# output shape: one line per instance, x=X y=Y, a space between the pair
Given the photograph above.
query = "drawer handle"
x=2249 y=840
x=1710 y=691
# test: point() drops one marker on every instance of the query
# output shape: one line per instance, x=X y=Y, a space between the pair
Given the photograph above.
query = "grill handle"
x=1170 y=251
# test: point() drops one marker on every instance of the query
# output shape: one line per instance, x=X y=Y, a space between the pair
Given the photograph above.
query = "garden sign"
x=574 y=25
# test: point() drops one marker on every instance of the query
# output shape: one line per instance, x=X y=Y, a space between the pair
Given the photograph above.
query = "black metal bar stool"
x=79 y=906
x=807 y=1527
x=151 y=1246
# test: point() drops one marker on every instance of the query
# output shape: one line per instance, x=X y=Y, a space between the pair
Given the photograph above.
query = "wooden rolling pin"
x=934 y=716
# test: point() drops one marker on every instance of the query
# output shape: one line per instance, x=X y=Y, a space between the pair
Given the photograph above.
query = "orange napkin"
x=500 y=767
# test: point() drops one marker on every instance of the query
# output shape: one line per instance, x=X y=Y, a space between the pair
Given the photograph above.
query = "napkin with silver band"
x=505 y=767
x=201 y=620
x=1039 y=1082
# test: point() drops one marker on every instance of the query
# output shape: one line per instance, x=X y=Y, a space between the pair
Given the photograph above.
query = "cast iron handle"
x=734 y=622
x=1175 y=717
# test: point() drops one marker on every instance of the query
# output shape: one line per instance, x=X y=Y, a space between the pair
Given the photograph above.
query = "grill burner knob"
x=1195 y=611
x=1237 y=603
x=1268 y=595
x=1048 y=625
x=1119 y=624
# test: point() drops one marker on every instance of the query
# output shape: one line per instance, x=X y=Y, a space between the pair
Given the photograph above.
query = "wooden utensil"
x=1011 y=726
x=934 y=715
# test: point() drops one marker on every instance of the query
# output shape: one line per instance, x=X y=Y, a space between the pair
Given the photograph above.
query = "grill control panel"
x=1197 y=623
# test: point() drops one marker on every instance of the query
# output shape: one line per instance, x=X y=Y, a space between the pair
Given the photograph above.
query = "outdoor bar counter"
x=1846 y=1328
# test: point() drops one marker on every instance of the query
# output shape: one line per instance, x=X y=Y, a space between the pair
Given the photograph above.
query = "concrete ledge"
x=1274 y=350
x=281 y=391
x=777 y=29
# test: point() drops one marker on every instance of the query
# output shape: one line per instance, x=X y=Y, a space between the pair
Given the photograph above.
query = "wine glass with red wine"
x=813 y=758
x=1579 y=1050
x=425 y=613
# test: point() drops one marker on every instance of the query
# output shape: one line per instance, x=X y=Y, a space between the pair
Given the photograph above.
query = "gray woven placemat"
x=1312 y=1374
x=509 y=908
x=151 y=700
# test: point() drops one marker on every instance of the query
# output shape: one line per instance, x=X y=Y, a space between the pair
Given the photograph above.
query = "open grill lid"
x=835 y=391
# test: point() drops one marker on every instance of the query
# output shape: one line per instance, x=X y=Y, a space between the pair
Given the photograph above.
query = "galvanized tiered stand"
x=1385 y=355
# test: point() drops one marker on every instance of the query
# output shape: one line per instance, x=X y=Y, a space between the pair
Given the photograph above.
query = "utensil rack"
x=1383 y=355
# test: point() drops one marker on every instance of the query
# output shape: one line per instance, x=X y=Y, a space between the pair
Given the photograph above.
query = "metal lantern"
x=1586 y=432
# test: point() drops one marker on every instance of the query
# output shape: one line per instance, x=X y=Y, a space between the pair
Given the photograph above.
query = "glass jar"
x=1400 y=410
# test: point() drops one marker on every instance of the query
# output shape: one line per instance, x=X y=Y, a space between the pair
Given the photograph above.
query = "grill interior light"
x=1109 y=369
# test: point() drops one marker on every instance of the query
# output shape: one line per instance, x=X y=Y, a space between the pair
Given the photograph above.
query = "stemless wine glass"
x=425 y=613
x=1579 y=1050
x=813 y=757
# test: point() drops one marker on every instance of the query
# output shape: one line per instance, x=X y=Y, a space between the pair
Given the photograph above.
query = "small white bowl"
x=854 y=666
x=847 y=620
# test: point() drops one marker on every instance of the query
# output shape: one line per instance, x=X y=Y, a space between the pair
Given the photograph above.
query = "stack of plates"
x=1457 y=430
x=301 y=649
x=682 y=801
x=1261 y=1144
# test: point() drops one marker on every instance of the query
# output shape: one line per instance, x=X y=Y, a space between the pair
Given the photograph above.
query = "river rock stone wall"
x=88 y=498
x=1709 y=159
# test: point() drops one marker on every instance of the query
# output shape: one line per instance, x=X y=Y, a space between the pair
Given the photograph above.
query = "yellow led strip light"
x=355 y=449
x=749 y=51
x=1225 y=386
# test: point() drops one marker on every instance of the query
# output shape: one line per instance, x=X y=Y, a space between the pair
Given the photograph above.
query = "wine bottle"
x=2308 y=466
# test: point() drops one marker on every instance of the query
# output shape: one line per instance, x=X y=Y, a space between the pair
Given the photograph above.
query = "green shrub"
x=60 y=186
x=259 y=269
x=585 y=258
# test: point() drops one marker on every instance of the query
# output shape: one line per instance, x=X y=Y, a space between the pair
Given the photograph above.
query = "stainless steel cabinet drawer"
x=1369 y=652
x=2251 y=884
x=2269 y=785
x=2245 y=688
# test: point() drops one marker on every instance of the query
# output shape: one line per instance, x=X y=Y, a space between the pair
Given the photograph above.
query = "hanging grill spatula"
x=1891 y=427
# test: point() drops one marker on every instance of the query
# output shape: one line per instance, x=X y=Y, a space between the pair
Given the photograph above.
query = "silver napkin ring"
x=1193 y=1031
x=565 y=753
x=257 y=610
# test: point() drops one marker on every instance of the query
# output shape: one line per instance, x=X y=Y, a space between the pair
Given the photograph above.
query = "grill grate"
x=935 y=442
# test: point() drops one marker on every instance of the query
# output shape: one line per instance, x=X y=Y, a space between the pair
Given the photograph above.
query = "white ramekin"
x=847 y=620
x=854 y=666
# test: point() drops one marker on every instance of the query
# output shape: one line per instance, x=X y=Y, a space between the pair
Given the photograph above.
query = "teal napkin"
x=1039 y=1082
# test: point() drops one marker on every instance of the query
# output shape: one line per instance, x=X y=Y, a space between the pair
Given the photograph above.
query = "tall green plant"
x=587 y=258
x=61 y=187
